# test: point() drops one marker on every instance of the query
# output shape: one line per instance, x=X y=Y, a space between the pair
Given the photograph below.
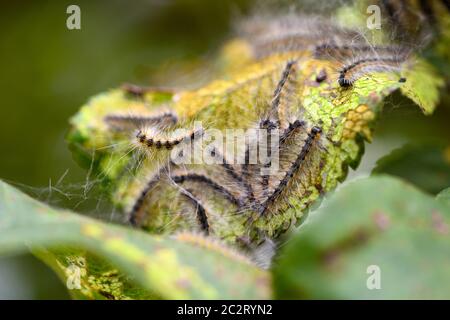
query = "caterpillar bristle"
x=282 y=97
x=278 y=115
x=151 y=139
x=202 y=217
x=121 y=122
x=334 y=51
x=312 y=136
x=356 y=69
x=140 y=91
x=414 y=20
x=238 y=178
x=241 y=181
x=292 y=32
x=134 y=214
x=194 y=177
x=224 y=194
x=290 y=129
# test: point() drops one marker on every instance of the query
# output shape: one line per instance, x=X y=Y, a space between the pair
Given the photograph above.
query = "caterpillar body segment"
x=415 y=21
x=284 y=94
x=230 y=194
x=139 y=91
x=208 y=182
x=136 y=212
x=199 y=209
x=154 y=139
x=279 y=186
x=291 y=33
x=340 y=52
x=352 y=71
x=287 y=105
x=122 y=122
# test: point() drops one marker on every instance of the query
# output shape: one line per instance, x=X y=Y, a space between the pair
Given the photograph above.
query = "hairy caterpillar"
x=253 y=192
x=412 y=20
x=129 y=122
x=327 y=41
x=290 y=33
x=139 y=92
x=330 y=50
x=148 y=138
x=200 y=210
x=312 y=136
x=289 y=91
x=180 y=179
x=350 y=72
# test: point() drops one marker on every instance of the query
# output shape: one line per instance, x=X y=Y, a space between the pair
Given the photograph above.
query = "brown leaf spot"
x=439 y=224
x=355 y=240
x=374 y=97
x=263 y=285
x=183 y=283
x=381 y=220
x=330 y=257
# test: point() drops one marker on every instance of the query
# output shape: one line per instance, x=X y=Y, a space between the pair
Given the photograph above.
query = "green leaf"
x=444 y=196
x=427 y=166
x=181 y=267
x=422 y=85
x=378 y=221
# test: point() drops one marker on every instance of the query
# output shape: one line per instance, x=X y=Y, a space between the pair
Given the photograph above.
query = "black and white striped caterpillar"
x=246 y=202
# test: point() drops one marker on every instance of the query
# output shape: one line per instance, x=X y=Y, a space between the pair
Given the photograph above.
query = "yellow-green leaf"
x=184 y=266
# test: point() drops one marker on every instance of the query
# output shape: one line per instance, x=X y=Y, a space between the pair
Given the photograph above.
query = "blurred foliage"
x=444 y=196
x=376 y=221
x=48 y=71
x=426 y=166
x=185 y=266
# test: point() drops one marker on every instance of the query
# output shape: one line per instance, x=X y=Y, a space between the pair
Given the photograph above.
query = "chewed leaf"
x=422 y=85
x=309 y=71
x=181 y=267
x=346 y=116
x=373 y=233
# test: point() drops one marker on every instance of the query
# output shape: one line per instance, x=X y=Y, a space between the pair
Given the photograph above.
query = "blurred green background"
x=48 y=72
